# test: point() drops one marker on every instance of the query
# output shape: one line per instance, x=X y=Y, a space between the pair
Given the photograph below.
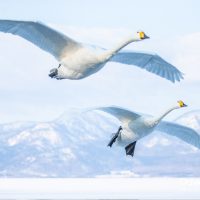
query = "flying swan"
x=77 y=60
x=136 y=126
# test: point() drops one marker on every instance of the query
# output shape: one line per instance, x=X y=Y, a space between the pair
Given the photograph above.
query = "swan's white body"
x=78 y=61
x=135 y=130
x=136 y=126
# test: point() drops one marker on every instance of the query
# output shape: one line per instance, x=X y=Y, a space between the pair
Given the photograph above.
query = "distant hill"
x=75 y=145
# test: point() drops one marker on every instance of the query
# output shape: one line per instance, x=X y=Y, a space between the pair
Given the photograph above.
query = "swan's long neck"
x=158 y=119
x=122 y=45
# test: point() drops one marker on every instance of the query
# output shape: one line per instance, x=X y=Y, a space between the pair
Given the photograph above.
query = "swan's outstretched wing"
x=151 y=62
x=182 y=132
x=39 y=34
x=122 y=114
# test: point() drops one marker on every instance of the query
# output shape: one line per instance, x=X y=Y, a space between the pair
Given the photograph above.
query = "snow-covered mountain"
x=75 y=145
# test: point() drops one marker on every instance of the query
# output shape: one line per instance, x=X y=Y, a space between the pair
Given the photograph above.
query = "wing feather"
x=182 y=132
x=39 y=34
x=120 y=113
x=150 y=62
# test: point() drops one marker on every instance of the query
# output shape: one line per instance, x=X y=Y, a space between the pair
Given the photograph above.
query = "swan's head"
x=181 y=104
x=141 y=35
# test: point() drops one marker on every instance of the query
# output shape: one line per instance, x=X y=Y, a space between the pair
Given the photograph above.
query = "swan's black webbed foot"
x=53 y=72
x=130 y=149
x=114 y=137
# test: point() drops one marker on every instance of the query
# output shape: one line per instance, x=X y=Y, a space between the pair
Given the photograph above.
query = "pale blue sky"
x=27 y=93
x=163 y=17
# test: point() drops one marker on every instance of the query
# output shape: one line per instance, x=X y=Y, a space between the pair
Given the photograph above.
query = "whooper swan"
x=77 y=60
x=136 y=126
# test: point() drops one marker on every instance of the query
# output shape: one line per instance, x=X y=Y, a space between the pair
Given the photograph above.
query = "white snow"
x=67 y=154
x=157 y=141
x=119 y=174
x=18 y=138
x=101 y=188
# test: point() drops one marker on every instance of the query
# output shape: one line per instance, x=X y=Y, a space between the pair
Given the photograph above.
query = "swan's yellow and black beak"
x=182 y=104
x=143 y=35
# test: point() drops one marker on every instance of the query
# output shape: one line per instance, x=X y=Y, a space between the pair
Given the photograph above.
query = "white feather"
x=150 y=62
x=182 y=132
x=39 y=34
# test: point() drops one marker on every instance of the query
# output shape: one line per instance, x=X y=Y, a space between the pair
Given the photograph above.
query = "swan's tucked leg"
x=114 y=137
x=130 y=149
x=54 y=72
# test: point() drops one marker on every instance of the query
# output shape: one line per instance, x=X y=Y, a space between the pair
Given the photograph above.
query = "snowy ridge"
x=75 y=145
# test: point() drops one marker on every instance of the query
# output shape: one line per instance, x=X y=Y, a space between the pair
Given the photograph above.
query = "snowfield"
x=100 y=188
